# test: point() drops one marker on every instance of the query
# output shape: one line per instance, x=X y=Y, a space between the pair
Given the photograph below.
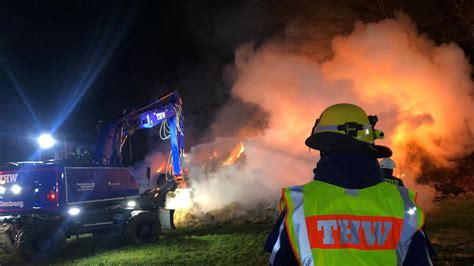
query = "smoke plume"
x=422 y=93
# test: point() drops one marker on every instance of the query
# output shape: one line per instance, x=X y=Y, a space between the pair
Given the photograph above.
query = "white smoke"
x=258 y=180
x=421 y=92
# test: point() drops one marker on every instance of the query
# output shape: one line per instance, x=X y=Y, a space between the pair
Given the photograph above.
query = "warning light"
x=52 y=196
x=46 y=141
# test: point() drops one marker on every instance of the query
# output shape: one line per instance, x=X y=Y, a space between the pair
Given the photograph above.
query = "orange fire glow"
x=161 y=168
x=234 y=155
x=421 y=92
x=401 y=176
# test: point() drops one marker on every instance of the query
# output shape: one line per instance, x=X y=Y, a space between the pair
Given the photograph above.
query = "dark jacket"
x=351 y=171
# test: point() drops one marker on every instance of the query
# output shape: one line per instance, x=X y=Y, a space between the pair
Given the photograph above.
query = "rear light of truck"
x=52 y=196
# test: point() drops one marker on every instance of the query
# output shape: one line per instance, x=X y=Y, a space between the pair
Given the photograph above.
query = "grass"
x=450 y=226
x=240 y=245
x=451 y=229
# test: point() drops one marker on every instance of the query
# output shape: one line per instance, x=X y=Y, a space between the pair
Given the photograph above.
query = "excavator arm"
x=165 y=112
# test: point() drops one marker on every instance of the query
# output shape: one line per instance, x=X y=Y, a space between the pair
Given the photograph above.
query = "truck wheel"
x=6 y=239
x=142 y=227
x=39 y=241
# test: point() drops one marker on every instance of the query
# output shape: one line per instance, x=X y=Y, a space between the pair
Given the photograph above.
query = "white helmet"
x=388 y=163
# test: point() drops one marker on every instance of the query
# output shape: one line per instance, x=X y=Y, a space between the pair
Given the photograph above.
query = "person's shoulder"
x=319 y=186
x=311 y=185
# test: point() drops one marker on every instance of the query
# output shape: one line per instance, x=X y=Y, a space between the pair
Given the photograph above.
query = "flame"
x=242 y=149
x=161 y=168
x=234 y=155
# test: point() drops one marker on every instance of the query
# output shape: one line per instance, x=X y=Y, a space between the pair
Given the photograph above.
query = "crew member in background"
x=347 y=215
x=388 y=166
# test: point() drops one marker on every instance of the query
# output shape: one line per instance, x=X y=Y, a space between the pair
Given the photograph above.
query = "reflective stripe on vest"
x=300 y=228
x=296 y=223
x=367 y=233
x=410 y=225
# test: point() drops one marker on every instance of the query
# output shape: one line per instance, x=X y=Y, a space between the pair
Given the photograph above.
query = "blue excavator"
x=165 y=112
x=43 y=203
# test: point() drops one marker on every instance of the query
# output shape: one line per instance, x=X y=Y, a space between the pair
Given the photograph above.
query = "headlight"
x=2 y=190
x=16 y=189
x=131 y=204
x=74 y=211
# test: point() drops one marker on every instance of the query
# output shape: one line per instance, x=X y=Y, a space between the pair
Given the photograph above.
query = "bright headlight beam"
x=2 y=190
x=46 y=141
x=131 y=204
x=74 y=211
x=96 y=59
x=19 y=89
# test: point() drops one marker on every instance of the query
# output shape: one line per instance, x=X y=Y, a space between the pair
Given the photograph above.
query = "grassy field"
x=223 y=245
x=451 y=230
x=450 y=226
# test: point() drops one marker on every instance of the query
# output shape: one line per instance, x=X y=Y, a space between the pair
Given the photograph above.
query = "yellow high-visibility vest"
x=331 y=225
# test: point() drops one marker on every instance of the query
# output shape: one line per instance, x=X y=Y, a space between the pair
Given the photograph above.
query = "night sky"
x=65 y=65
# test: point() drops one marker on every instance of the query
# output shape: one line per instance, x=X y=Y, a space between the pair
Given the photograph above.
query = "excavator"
x=165 y=112
x=42 y=203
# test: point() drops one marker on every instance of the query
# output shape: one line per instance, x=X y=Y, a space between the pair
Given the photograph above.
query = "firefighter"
x=388 y=166
x=347 y=215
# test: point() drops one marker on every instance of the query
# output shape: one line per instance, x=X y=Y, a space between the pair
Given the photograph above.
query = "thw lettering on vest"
x=352 y=231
